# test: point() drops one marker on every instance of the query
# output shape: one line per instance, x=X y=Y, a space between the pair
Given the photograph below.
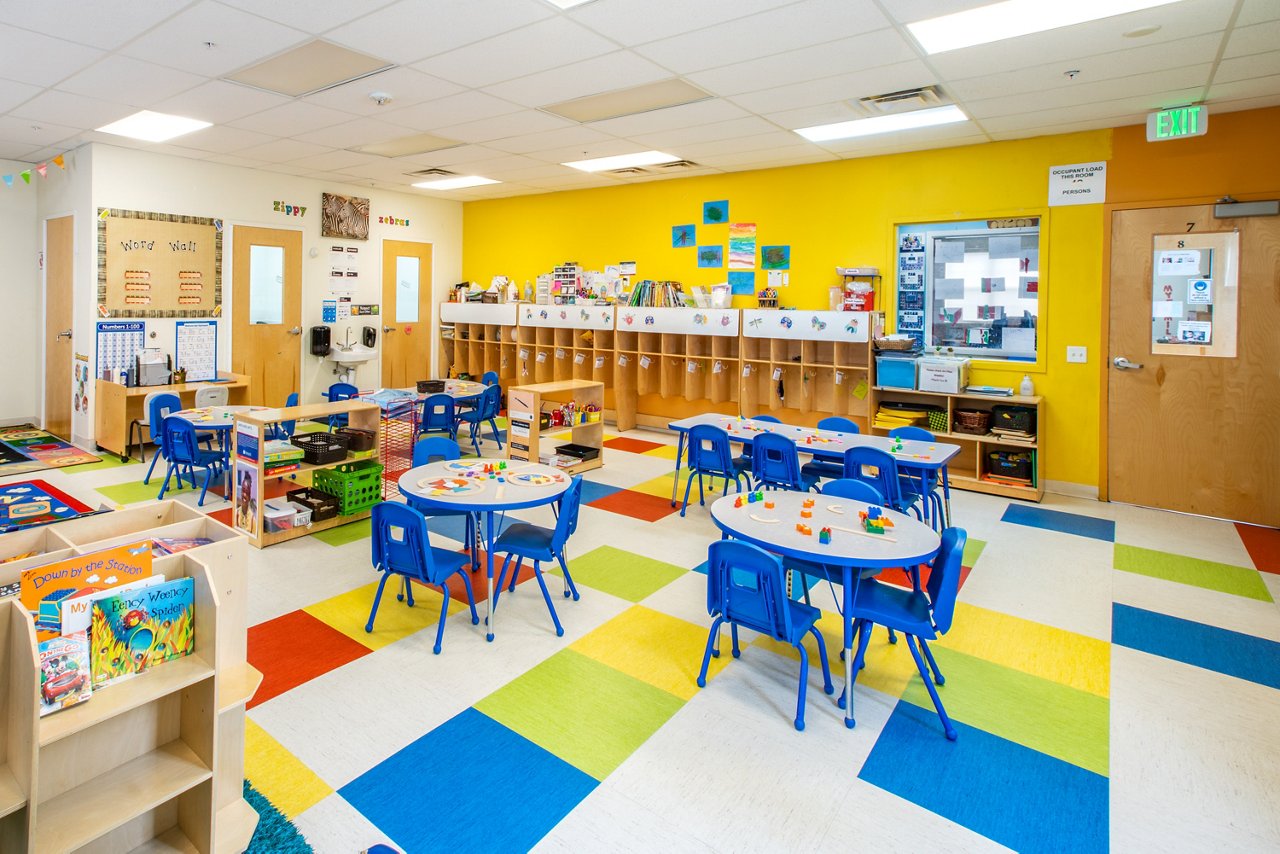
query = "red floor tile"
x=480 y=579
x=296 y=648
x=1263 y=545
x=631 y=446
x=637 y=505
x=899 y=577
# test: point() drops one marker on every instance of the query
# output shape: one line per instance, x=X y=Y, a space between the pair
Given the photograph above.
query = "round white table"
x=461 y=485
x=908 y=543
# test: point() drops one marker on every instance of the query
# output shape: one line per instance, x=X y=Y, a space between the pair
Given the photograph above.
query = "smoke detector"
x=380 y=98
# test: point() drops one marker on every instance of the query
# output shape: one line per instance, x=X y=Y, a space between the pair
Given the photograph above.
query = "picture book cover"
x=64 y=672
x=42 y=588
x=77 y=611
x=173 y=545
x=134 y=631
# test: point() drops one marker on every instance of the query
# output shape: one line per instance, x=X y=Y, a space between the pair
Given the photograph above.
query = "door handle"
x=297 y=330
x=66 y=333
x=1125 y=365
x=388 y=329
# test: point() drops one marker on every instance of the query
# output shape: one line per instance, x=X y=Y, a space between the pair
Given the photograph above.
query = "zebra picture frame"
x=344 y=216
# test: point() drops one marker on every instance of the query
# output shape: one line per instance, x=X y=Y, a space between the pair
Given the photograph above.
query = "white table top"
x=214 y=417
x=457 y=389
x=824 y=443
x=461 y=485
x=907 y=543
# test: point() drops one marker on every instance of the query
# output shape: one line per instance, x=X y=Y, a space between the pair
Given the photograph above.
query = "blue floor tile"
x=1019 y=797
x=1221 y=650
x=455 y=527
x=592 y=491
x=1056 y=520
x=424 y=796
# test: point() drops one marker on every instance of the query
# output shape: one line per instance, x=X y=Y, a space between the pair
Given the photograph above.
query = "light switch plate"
x=1078 y=354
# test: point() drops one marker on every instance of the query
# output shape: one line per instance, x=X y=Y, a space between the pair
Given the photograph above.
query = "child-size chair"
x=137 y=425
x=919 y=484
x=437 y=415
x=184 y=452
x=709 y=454
x=159 y=405
x=486 y=410
x=775 y=464
x=879 y=469
x=337 y=392
x=829 y=468
x=539 y=544
x=745 y=588
x=284 y=429
x=435 y=449
x=402 y=547
x=211 y=395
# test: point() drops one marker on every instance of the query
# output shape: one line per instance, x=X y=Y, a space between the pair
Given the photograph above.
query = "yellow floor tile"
x=659 y=649
x=349 y=612
x=889 y=668
x=291 y=786
x=666 y=452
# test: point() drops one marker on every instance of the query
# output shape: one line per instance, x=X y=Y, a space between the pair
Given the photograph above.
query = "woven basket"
x=895 y=344
x=976 y=421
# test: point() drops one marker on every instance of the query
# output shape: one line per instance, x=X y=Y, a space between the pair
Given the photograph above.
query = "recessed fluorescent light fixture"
x=309 y=68
x=1013 y=18
x=567 y=4
x=458 y=183
x=644 y=98
x=153 y=127
x=622 y=161
x=884 y=124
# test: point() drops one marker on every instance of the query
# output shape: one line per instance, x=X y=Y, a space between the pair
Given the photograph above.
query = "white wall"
x=139 y=180
x=21 y=288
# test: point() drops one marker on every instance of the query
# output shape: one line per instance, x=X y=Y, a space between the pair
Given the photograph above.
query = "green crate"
x=357 y=485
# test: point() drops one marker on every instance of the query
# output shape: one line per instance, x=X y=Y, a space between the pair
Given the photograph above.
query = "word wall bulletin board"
x=158 y=265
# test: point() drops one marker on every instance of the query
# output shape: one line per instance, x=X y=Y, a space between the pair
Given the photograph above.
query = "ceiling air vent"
x=431 y=173
x=902 y=102
x=629 y=172
x=676 y=165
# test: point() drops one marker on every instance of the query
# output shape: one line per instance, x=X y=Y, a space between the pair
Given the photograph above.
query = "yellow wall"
x=843 y=213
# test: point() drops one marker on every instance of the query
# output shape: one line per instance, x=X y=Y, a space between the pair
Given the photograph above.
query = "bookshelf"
x=525 y=435
x=155 y=763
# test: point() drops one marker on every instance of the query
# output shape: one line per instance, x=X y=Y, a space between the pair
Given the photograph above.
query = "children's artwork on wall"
x=344 y=216
x=715 y=213
x=742 y=246
x=742 y=284
x=775 y=257
x=710 y=256
x=683 y=235
x=158 y=265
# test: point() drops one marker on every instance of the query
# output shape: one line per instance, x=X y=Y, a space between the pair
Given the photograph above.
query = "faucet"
x=347 y=345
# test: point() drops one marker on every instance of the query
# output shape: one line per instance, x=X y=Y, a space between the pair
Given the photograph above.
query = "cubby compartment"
x=544 y=364
x=564 y=338
x=820 y=353
x=675 y=345
x=786 y=350
x=648 y=374
x=695 y=378
x=546 y=336
x=755 y=349
x=626 y=342
x=603 y=340
x=725 y=347
x=650 y=342
x=583 y=366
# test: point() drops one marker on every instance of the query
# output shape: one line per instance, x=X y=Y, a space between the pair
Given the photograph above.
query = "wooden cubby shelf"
x=527 y=403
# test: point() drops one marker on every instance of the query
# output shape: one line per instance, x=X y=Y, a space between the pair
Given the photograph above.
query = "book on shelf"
x=134 y=631
x=173 y=545
x=42 y=588
x=77 y=611
x=64 y=672
x=992 y=390
x=282 y=468
x=279 y=451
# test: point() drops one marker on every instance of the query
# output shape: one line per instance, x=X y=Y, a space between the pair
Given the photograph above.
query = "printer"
x=152 y=367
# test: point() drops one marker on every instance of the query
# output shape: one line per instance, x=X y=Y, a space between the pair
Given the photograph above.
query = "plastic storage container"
x=896 y=371
x=322 y=505
x=277 y=515
x=1015 y=465
x=357 y=486
x=939 y=373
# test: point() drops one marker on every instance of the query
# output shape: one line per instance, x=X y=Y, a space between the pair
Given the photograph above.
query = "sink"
x=356 y=354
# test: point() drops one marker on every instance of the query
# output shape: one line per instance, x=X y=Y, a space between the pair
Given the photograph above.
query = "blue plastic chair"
x=486 y=410
x=161 y=406
x=775 y=464
x=337 y=392
x=883 y=475
x=921 y=615
x=438 y=415
x=429 y=450
x=490 y=378
x=285 y=429
x=402 y=547
x=828 y=468
x=919 y=484
x=744 y=588
x=742 y=462
x=184 y=452
x=709 y=454
x=539 y=544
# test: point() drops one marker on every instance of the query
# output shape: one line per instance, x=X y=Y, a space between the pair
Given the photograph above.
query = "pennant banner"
x=41 y=169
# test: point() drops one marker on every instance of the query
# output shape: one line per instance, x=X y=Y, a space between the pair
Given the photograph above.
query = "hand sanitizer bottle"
x=1027 y=388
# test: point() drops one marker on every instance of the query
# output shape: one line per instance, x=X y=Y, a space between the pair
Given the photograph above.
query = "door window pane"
x=1194 y=295
x=406 y=289
x=266 y=284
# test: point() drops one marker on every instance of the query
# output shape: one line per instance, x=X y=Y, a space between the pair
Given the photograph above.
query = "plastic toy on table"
x=874 y=521
x=804 y=529
x=824 y=536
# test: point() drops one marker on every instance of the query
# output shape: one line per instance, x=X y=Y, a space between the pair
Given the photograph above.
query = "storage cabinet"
x=476 y=338
x=153 y=763
x=527 y=438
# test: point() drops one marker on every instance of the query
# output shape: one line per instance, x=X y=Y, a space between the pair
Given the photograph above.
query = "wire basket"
x=976 y=421
x=895 y=343
x=357 y=486
x=938 y=420
x=322 y=448
x=357 y=439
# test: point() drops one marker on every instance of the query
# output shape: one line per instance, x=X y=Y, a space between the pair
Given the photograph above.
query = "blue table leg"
x=946 y=496
x=848 y=646
x=488 y=552
x=675 y=478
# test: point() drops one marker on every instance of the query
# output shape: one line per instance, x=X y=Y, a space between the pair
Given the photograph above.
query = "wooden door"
x=59 y=259
x=266 y=330
x=1198 y=434
x=406 y=313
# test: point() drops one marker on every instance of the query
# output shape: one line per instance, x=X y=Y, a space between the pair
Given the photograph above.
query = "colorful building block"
x=824 y=536
x=806 y=514
x=737 y=502
x=805 y=529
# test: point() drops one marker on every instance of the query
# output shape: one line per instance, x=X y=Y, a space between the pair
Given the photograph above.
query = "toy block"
x=805 y=529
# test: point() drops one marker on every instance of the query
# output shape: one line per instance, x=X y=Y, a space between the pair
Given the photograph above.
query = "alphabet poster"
x=158 y=265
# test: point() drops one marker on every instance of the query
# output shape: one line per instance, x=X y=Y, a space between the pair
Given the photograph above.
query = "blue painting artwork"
x=715 y=213
x=683 y=235
x=742 y=284
x=710 y=256
x=775 y=257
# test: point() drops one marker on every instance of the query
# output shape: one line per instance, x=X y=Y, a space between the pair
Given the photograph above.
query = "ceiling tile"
x=842 y=87
x=1257 y=11
x=755 y=142
x=505 y=127
x=1258 y=38
x=311 y=16
x=237 y=160
x=75 y=111
x=1130 y=118
x=405 y=86
x=104 y=25
x=356 y=132
x=574 y=135
x=239 y=39
x=292 y=119
x=35 y=58
x=799 y=25
x=613 y=71
x=578 y=181
x=856 y=53
x=224 y=139
x=819 y=114
x=628 y=22
x=13 y=93
x=910 y=11
x=453 y=110
x=1258 y=103
x=914 y=144
x=130 y=81
x=1246 y=67
x=668 y=140
x=586 y=151
x=450 y=157
x=282 y=150
x=1256 y=87
x=219 y=101
x=542 y=170
x=768 y=159
x=16 y=151
x=1092 y=93
x=411 y=30
x=14 y=129
x=670 y=118
x=528 y=50
x=1090 y=112
x=494 y=167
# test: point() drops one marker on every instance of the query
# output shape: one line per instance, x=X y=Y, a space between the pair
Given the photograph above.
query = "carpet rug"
x=275 y=833
x=29 y=503
x=26 y=449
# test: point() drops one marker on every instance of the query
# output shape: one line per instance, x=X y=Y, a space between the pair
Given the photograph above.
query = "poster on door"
x=80 y=383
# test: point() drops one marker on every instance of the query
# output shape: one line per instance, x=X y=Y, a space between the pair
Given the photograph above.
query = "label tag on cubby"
x=559 y=352
x=600 y=361
x=644 y=362
x=839 y=377
x=717 y=368
x=692 y=366
x=524 y=354
x=579 y=358
x=746 y=370
x=777 y=373
x=622 y=360
x=542 y=357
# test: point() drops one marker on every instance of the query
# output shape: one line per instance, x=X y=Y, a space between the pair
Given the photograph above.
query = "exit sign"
x=1177 y=123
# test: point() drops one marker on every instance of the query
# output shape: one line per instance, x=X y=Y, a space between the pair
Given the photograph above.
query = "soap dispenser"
x=1026 y=389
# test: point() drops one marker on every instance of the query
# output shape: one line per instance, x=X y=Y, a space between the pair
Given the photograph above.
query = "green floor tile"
x=135 y=491
x=621 y=573
x=585 y=712
x=344 y=534
x=1223 y=577
x=108 y=461
x=972 y=551
x=1065 y=722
